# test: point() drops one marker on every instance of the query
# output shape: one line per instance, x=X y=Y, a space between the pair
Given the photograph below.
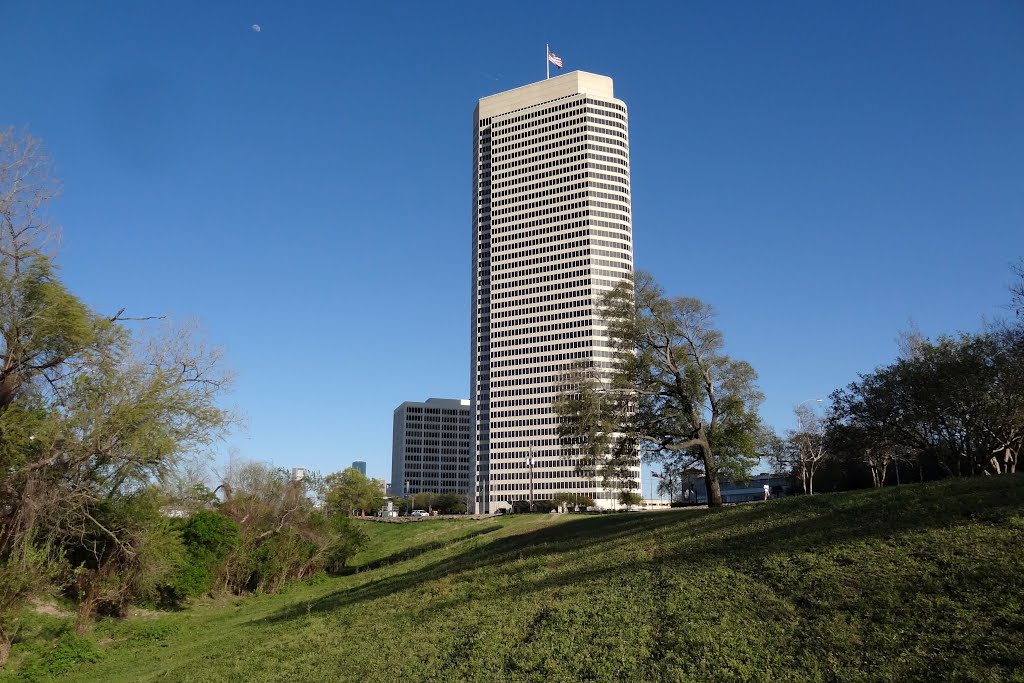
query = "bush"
x=209 y=537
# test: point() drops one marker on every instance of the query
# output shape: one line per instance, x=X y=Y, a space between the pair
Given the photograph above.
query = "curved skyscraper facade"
x=551 y=232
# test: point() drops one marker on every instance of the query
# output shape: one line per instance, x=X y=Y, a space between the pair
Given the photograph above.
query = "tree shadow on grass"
x=415 y=551
x=730 y=537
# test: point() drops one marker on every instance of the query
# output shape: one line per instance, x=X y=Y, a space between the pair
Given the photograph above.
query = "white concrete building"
x=551 y=233
x=430 y=447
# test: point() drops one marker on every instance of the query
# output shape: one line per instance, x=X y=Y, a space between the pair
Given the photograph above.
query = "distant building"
x=382 y=485
x=361 y=466
x=430 y=447
x=742 y=492
x=298 y=473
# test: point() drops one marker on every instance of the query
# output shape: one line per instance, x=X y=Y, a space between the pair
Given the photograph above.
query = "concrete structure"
x=298 y=473
x=430 y=447
x=360 y=465
x=551 y=233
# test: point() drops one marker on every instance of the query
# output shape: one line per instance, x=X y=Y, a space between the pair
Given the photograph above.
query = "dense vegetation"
x=922 y=582
x=99 y=415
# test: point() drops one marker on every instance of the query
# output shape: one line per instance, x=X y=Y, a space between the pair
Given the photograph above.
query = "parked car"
x=420 y=513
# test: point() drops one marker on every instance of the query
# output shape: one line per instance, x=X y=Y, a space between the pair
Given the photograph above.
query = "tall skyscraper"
x=360 y=466
x=551 y=233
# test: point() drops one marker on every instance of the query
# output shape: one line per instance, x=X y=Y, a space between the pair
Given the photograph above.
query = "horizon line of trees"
x=949 y=407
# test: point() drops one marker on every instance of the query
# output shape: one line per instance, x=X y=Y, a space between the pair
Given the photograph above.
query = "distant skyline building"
x=430 y=448
x=551 y=233
x=360 y=465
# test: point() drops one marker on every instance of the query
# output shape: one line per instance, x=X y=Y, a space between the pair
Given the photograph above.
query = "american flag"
x=554 y=59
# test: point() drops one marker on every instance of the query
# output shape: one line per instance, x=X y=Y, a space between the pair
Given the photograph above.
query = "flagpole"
x=547 y=60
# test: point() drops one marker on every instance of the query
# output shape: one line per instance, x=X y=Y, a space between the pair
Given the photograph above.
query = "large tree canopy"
x=954 y=406
x=673 y=393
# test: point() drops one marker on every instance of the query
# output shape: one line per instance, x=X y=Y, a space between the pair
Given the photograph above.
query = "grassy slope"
x=919 y=583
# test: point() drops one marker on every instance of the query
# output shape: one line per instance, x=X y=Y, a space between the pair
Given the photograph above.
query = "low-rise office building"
x=430 y=447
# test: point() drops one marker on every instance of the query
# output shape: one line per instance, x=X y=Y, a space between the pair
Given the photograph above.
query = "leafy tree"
x=349 y=492
x=673 y=394
x=956 y=404
x=283 y=537
x=630 y=498
x=92 y=411
x=209 y=537
x=574 y=501
x=451 y=504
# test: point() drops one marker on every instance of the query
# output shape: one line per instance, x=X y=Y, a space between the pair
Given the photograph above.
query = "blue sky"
x=823 y=173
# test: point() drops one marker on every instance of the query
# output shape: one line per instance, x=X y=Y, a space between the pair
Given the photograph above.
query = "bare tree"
x=807 y=447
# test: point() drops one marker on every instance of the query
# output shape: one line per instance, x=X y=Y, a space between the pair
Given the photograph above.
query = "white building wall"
x=430 y=447
x=552 y=232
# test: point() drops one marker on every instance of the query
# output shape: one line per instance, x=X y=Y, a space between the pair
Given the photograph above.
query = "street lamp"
x=796 y=410
x=529 y=462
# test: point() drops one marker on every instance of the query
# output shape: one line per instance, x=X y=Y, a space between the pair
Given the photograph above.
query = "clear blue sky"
x=821 y=172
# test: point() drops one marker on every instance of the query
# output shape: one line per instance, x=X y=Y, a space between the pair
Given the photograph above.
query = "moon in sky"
x=256 y=28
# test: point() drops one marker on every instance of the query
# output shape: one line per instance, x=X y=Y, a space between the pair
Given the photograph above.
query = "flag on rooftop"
x=554 y=59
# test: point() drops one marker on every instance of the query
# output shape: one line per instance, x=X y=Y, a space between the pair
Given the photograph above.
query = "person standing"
x=767 y=492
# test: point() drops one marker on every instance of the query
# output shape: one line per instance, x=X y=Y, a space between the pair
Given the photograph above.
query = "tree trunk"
x=714 y=490
x=83 y=619
x=5 y=645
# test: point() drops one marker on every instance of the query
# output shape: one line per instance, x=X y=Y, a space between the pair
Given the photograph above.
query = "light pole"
x=408 y=503
x=796 y=409
x=529 y=461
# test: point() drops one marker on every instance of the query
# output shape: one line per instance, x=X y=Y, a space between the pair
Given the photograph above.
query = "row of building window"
x=545 y=348
x=562 y=306
x=561 y=150
x=553 y=287
x=462 y=457
x=500 y=134
x=544 y=142
x=553 y=327
x=563 y=200
x=591 y=241
x=435 y=451
x=505 y=141
x=435 y=418
x=557 y=170
x=559 y=184
x=582 y=152
x=591 y=228
x=436 y=411
x=502 y=123
x=557 y=296
x=550 y=358
x=576 y=334
x=585 y=217
x=560 y=188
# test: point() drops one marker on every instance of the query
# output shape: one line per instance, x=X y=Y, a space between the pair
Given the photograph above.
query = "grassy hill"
x=922 y=582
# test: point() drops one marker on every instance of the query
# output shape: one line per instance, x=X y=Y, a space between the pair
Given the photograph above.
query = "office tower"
x=360 y=465
x=430 y=447
x=551 y=233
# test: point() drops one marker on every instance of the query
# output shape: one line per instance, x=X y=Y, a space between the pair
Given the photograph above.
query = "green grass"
x=921 y=582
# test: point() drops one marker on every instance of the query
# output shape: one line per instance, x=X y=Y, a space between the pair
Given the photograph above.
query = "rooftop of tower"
x=572 y=83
